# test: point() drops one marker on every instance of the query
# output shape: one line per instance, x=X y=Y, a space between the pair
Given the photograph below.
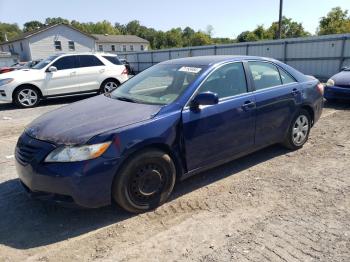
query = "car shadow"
x=27 y=223
x=46 y=102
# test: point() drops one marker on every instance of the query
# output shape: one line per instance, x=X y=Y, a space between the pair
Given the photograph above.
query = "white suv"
x=62 y=75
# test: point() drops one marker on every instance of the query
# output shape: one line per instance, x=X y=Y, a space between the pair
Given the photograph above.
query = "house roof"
x=119 y=39
x=42 y=29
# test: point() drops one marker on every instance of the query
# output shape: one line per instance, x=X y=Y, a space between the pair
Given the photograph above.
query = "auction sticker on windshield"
x=190 y=69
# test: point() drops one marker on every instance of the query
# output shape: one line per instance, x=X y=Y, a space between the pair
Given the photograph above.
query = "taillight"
x=320 y=88
x=125 y=71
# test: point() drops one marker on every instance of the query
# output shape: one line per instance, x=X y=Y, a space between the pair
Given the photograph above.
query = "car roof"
x=215 y=59
x=86 y=53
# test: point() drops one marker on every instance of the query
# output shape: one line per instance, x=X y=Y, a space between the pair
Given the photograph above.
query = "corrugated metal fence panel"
x=319 y=56
x=318 y=68
x=203 y=51
x=231 y=50
x=160 y=56
x=274 y=51
x=179 y=54
x=314 y=49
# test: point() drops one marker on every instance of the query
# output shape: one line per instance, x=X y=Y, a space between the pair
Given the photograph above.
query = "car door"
x=90 y=72
x=277 y=95
x=221 y=131
x=64 y=80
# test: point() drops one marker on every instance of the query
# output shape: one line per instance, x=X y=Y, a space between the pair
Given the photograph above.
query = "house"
x=49 y=40
x=62 y=38
x=120 y=43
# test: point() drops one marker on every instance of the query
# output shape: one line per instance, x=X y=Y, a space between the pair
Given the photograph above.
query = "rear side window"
x=228 y=80
x=286 y=78
x=113 y=59
x=66 y=62
x=89 y=60
x=265 y=75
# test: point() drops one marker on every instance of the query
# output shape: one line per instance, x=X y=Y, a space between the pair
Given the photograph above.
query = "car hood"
x=342 y=78
x=80 y=121
x=19 y=74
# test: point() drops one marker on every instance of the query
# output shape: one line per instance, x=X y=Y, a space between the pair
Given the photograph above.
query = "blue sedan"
x=169 y=122
x=338 y=86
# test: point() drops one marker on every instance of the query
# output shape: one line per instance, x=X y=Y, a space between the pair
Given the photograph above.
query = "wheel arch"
x=27 y=85
x=311 y=112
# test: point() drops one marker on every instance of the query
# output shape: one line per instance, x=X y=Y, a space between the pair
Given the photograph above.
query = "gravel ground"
x=274 y=205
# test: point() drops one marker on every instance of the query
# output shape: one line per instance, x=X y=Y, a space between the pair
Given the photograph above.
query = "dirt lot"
x=274 y=205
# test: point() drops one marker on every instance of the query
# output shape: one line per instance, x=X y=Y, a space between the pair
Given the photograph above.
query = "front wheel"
x=26 y=97
x=145 y=181
x=299 y=130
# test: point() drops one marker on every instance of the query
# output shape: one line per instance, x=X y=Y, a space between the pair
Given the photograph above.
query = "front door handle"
x=295 y=92
x=102 y=70
x=248 y=105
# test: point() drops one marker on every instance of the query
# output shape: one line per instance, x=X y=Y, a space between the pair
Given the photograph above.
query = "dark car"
x=338 y=86
x=171 y=121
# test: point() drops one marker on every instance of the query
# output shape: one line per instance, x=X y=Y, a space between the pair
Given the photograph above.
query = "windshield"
x=45 y=62
x=160 y=84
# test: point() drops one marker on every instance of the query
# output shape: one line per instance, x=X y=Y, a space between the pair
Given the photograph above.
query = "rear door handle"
x=295 y=92
x=248 y=105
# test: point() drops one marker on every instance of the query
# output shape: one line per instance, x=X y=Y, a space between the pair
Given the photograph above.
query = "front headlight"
x=330 y=82
x=5 y=81
x=77 y=153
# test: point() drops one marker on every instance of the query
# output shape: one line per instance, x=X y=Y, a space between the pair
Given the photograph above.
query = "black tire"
x=113 y=84
x=291 y=141
x=145 y=181
x=32 y=100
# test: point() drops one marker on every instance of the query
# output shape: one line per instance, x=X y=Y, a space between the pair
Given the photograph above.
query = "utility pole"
x=280 y=21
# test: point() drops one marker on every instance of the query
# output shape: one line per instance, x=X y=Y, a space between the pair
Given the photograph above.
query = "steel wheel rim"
x=27 y=97
x=109 y=86
x=300 y=130
x=146 y=184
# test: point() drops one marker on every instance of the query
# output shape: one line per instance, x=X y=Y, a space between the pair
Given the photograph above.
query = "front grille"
x=25 y=153
x=29 y=149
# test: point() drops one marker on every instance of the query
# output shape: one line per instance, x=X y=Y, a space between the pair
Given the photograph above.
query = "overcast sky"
x=228 y=17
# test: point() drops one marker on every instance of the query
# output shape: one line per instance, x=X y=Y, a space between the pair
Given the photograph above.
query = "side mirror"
x=52 y=69
x=206 y=98
x=344 y=68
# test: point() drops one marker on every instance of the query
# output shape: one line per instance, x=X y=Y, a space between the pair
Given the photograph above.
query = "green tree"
x=174 y=37
x=337 y=21
x=10 y=30
x=289 y=29
x=56 y=20
x=200 y=38
x=133 y=27
x=32 y=25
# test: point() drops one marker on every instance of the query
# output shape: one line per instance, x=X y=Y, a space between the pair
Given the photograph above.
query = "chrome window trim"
x=187 y=106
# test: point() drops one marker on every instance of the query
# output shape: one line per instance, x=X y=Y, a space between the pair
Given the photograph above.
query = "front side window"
x=89 y=60
x=100 y=48
x=228 y=80
x=66 y=62
x=71 y=46
x=58 y=46
x=161 y=84
x=265 y=75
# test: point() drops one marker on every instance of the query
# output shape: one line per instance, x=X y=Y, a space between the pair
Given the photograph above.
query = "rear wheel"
x=26 y=97
x=298 y=132
x=108 y=86
x=145 y=182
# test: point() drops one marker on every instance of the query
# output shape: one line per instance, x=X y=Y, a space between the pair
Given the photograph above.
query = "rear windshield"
x=113 y=59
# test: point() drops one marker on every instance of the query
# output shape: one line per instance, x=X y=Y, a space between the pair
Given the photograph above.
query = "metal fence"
x=320 y=56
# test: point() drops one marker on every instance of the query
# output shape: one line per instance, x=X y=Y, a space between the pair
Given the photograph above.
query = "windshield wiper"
x=126 y=99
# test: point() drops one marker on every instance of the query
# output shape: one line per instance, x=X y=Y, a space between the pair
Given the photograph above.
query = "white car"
x=62 y=75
